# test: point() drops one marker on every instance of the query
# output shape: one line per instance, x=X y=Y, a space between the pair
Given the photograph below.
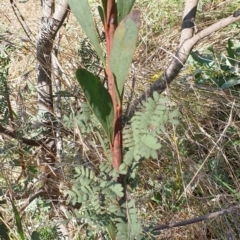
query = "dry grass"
x=202 y=149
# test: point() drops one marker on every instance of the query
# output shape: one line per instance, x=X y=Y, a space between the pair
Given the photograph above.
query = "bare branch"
x=188 y=25
x=12 y=134
x=195 y=220
x=21 y=20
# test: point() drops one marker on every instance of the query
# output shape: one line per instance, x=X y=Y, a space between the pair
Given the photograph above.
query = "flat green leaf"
x=156 y=96
x=81 y=10
x=122 y=167
x=101 y=14
x=18 y=221
x=128 y=158
x=100 y=138
x=117 y=189
x=71 y=194
x=78 y=215
x=87 y=172
x=230 y=83
x=111 y=228
x=201 y=59
x=92 y=175
x=151 y=105
x=151 y=142
x=77 y=170
x=103 y=167
x=124 y=44
x=231 y=52
x=35 y=235
x=174 y=121
x=84 y=189
x=124 y=7
x=131 y=204
x=98 y=99
x=154 y=154
x=67 y=214
x=173 y=114
x=104 y=5
x=74 y=200
x=85 y=197
x=113 y=208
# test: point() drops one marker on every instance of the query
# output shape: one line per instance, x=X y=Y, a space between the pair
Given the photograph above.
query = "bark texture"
x=50 y=24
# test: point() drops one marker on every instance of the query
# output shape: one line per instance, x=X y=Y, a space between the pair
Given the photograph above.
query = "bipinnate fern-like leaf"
x=84 y=119
x=141 y=135
x=98 y=194
x=131 y=228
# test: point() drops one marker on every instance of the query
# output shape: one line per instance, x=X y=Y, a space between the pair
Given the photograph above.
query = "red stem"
x=110 y=27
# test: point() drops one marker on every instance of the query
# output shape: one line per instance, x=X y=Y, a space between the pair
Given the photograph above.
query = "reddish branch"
x=110 y=27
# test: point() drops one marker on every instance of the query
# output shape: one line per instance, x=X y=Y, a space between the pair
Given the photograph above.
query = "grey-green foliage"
x=83 y=119
x=141 y=136
x=98 y=193
x=48 y=233
x=131 y=229
x=98 y=196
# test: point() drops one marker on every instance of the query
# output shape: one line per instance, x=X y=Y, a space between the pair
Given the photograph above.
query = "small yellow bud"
x=155 y=77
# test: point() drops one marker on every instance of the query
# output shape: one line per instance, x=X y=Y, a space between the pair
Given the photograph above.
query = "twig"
x=19 y=16
x=28 y=201
x=195 y=220
x=12 y=134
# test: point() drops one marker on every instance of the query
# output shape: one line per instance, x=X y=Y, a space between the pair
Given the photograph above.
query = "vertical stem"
x=110 y=27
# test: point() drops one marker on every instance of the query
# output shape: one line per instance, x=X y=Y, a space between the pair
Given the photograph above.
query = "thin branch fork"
x=195 y=220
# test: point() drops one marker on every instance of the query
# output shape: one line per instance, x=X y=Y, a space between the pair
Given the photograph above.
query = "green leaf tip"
x=81 y=10
x=18 y=221
x=124 y=44
x=98 y=99
x=124 y=7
